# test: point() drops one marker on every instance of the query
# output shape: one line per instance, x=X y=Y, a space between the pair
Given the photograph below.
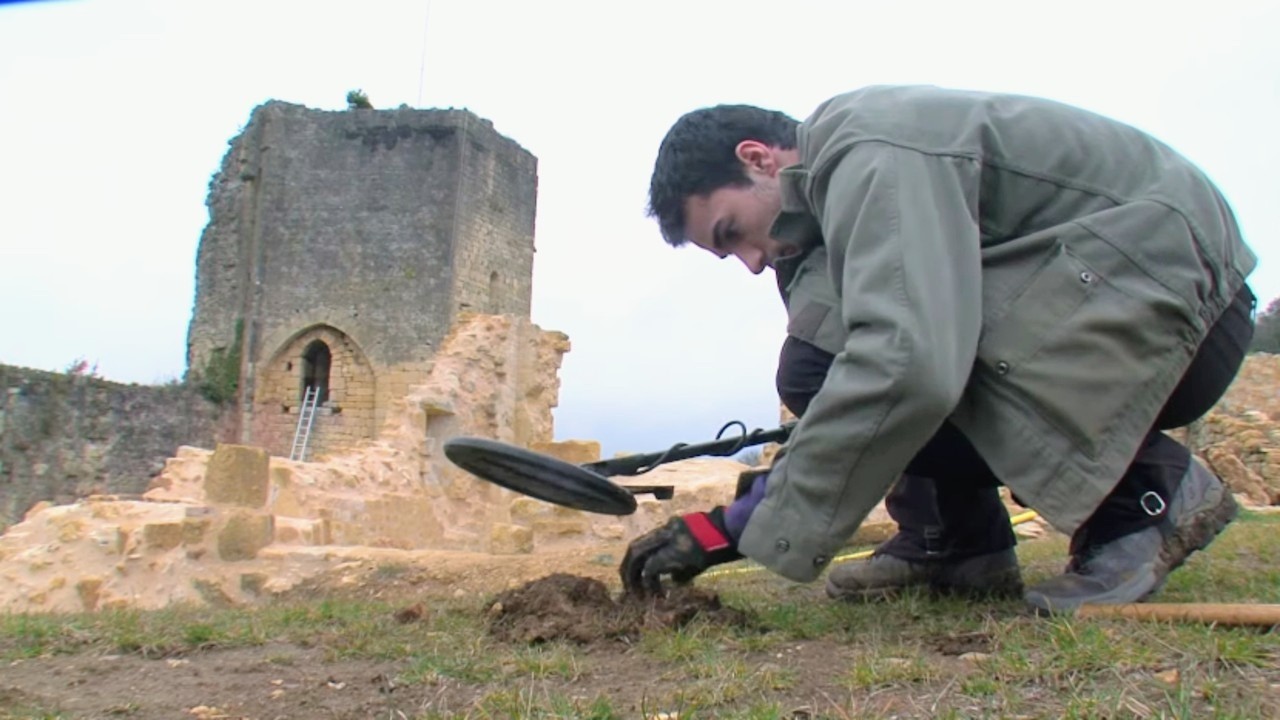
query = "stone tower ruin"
x=341 y=248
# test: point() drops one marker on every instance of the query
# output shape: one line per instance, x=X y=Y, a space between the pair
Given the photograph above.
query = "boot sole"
x=994 y=575
x=875 y=595
x=1008 y=586
x=870 y=595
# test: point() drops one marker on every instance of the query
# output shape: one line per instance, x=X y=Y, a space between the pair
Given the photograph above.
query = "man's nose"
x=752 y=257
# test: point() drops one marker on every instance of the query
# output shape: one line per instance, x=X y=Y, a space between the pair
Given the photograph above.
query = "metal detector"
x=587 y=486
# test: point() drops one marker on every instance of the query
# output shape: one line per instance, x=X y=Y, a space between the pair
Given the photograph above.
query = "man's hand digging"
x=682 y=548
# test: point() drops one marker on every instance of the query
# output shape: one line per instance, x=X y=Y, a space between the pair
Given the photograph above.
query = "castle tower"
x=340 y=248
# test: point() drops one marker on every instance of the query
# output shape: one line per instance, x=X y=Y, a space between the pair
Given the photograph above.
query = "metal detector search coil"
x=587 y=487
x=539 y=476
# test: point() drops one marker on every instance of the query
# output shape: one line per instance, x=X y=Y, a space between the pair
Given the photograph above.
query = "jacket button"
x=1086 y=277
x=782 y=546
x=1002 y=367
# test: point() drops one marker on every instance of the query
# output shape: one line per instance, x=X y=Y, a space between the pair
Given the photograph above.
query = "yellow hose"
x=1015 y=520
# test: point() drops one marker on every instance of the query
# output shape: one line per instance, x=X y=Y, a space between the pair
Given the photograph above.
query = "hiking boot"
x=883 y=576
x=1133 y=567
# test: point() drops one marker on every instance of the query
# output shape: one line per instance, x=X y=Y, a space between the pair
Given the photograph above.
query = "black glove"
x=683 y=548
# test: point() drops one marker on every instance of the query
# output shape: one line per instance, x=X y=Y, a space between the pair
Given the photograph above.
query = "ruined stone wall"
x=234 y=525
x=494 y=377
x=63 y=437
x=1255 y=388
x=493 y=271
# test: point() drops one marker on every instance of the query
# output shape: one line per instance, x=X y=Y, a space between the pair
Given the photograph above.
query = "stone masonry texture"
x=368 y=229
x=63 y=436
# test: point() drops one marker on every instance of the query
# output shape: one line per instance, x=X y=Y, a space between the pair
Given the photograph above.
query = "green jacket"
x=810 y=300
x=1038 y=274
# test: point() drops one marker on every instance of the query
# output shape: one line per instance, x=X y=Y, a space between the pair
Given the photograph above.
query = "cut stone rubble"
x=233 y=525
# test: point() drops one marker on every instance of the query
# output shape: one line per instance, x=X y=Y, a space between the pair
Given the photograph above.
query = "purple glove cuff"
x=739 y=512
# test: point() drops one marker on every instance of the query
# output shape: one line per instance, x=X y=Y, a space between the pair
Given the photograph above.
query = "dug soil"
x=582 y=610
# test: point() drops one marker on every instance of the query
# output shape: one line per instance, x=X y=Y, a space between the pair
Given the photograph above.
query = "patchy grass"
x=17 y=705
x=802 y=657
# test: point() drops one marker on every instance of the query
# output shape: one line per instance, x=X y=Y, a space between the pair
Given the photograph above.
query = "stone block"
x=237 y=475
x=510 y=540
x=560 y=528
x=69 y=529
x=611 y=532
x=212 y=592
x=286 y=493
x=576 y=452
x=37 y=509
x=527 y=509
x=162 y=536
x=244 y=535
x=1238 y=476
x=466 y=488
x=90 y=591
x=301 y=531
x=106 y=511
x=110 y=538
x=253 y=583
x=193 y=529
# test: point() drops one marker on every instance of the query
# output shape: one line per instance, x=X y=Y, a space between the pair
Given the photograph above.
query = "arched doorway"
x=316 y=361
x=323 y=357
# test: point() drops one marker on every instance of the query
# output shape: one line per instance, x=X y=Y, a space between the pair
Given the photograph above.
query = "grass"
x=804 y=657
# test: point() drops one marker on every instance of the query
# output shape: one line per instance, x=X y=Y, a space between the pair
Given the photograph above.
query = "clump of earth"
x=581 y=610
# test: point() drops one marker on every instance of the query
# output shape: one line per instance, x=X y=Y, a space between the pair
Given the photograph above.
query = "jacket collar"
x=795 y=223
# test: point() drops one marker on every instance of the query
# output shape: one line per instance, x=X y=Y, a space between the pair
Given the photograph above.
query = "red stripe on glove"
x=705 y=532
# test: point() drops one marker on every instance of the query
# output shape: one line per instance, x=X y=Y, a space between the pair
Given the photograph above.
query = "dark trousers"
x=947 y=504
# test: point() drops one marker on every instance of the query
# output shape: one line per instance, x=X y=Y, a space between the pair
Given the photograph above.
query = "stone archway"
x=329 y=359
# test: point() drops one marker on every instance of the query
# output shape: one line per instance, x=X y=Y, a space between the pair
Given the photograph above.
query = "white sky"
x=115 y=115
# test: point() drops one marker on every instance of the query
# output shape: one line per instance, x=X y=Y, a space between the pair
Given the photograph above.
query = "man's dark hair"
x=697 y=158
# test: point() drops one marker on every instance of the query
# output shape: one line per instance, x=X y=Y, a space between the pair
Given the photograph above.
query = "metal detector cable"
x=665 y=456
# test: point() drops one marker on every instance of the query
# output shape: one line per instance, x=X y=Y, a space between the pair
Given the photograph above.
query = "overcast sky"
x=115 y=114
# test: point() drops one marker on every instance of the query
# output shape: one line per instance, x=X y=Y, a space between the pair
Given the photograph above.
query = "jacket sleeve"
x=901 y=231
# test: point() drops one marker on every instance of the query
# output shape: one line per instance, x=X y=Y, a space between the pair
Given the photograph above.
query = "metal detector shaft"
x=639 y=464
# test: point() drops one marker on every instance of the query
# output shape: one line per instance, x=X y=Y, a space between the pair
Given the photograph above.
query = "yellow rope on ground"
x=1015 y=520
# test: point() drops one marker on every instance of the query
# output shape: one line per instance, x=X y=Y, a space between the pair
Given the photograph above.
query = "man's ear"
x=757 y=156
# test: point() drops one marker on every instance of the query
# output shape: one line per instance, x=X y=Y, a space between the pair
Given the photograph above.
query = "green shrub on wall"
x=221 y=376
x=358 y=100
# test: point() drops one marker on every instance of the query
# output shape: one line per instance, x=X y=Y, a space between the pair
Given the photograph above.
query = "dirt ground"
x=571 y=596
x=516 y=602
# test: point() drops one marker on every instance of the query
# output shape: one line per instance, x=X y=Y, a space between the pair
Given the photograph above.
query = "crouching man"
x=1028 y=294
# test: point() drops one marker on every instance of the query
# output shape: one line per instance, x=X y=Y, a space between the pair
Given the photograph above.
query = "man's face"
x=735 y=221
